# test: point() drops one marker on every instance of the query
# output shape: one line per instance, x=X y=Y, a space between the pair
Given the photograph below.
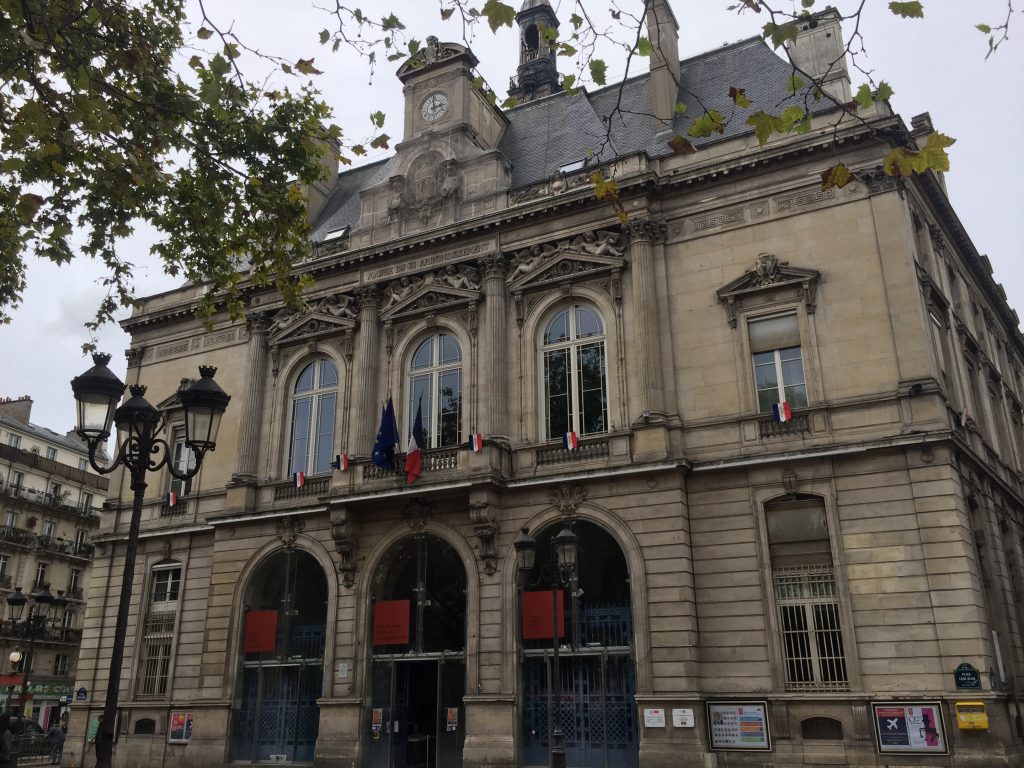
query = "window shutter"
x=774 y=333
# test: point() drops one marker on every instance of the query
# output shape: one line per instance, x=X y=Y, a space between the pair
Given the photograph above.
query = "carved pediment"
x=770 y=276
x=304 y=327
x=431 y=293
x=580 y=257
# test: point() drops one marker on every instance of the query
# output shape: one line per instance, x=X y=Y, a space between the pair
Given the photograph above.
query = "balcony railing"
x=431 y=460
x=5 y=581
x=59 y=545
x=73 y=593
x=591 y=449
x=313 y=487
x=50 y=632
x=800 y=424
x=48 y=500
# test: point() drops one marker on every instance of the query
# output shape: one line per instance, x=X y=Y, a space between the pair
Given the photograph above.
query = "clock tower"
x=447 y=167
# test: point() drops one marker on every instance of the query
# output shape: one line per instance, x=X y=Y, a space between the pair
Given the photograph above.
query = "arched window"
x=575 y=380
x=435 y=386
x=314 y=403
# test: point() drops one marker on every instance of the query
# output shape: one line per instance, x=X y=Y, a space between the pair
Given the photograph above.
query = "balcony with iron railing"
x=51 y=545
x=49 y=501
x=49 y=631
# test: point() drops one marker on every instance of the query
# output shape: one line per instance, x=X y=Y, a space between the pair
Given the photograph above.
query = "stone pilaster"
x=494 y=388
x=252 y=407
x=649 y=399
x=365 y=411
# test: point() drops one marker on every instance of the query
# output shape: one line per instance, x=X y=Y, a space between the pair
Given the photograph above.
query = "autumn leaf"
x=764 y=126
x=446 y=13
x=597 y=71
x=681 y=145
x=498 y=14
x=913 y=10
x=324 y=36
x=836 y=176
x=780 y=34
x=204 y=34
x=381 y=142
x=739 y=97
x=305 y=66
x=28 y=206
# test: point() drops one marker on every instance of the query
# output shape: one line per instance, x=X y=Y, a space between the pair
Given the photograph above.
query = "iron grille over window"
x=812 y=639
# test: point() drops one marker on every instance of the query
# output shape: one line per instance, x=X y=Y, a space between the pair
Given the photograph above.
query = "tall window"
x=86 y=502
x=14 y=440
x=81 y=535
x=158 y=632
x=40 y=575
x=575 y=379
x=184 y=460
x=778 y=364
x=435 y=386
x=18 y=479
x=60 y=664
x=314 y=402
x=51 y=453
x=940 y=341
x=74 y=581
x=805 y=595
x=49 y=529
x=10 y=520
x=83 y=464
x=3 y=568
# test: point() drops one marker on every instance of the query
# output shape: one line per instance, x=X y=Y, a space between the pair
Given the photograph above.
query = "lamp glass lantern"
x=97 y=392
x=16 y=601
x=526 y=550
x=16 y=657
x=565 y=545
x=204 y=404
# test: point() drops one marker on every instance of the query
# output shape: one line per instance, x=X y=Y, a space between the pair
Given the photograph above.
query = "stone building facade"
x=751 y=589
x=50 y=502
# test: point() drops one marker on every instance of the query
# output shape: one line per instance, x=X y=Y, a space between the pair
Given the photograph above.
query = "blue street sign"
x=967 y=677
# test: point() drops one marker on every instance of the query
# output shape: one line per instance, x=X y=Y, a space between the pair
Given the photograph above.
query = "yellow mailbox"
x=971 y=715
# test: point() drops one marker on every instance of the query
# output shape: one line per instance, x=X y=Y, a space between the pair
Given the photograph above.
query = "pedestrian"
x=6 y=742
x=56 y=738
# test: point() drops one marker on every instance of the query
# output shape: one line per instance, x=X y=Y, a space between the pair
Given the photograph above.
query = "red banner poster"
x=260 y=632
x=391 y=622
x=537 y=615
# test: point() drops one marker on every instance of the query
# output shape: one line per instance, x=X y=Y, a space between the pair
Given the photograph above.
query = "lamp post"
x=563 y=560
x=140 y=450
x=44 y=609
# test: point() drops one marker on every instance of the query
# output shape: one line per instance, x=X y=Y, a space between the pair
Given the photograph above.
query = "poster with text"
x=739 y=725
x=911 y=727
x=180 y=731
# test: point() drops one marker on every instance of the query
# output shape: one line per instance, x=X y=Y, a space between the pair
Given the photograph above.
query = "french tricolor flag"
x=172 y=498
x=782 y=412
x=340 y=462
x=570 y=441
x=476 y=443
x=413 y=454
x=299 y=479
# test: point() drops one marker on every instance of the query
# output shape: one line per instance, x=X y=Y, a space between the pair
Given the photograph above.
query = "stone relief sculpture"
x=338 y=305
x=599 y=243
x=283 y=318
x=463 y=277
x=766 y=269
x=399 y=290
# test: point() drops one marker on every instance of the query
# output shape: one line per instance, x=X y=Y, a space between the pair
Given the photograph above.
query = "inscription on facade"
x=718 y=220
x=429 y=261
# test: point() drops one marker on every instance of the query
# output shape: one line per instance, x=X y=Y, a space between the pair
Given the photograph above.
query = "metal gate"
x=598 y=709
x=279 y=717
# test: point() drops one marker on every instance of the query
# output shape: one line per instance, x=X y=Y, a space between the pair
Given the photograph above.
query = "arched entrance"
x=282 y=661
x=596 y=665
x=418 y=656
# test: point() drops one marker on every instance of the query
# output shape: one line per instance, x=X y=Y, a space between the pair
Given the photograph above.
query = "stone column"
x=643 y=232
x=252 y=407
x=494 y=392
x=365 y=408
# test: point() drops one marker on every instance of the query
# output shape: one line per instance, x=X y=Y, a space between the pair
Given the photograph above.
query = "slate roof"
x=42 y=433
x=556 y=130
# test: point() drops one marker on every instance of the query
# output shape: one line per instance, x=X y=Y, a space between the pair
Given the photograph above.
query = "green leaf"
x=576 y=21
x=196 y=63
x=794 y=84
x=710 y=122
x=680 y=108
x=324 y=36
x=377 y=118
x=912 y=10
x=863 y=96
x=983 y=28
x=644 y=47
x=681 y=145
x=231 y=50
x=380 y=142
x=565 y=49
x=204 y=33
x=510 y=102
x=780 y=34
x=764 y=126
x=884 y=92
x=739 y=97
x=568 y=81
x=286 y=68
x=219 y=65
x=498 y=14
x=358 y=149
x=305 y=66
x=446 y=13
x=597 y=71
x=28 y=206
x=807 y=3
x=391 y=22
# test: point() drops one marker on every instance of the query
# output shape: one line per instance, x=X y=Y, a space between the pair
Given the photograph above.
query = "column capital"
x=494 y=265
x=650 y=229
x=257 y=323
x=134 y=356
x=369 y=299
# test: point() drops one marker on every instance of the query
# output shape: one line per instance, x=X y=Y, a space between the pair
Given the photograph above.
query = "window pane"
x=773 y=333
x=558 y=328
x=328 y=374
x=766 y=398
x=324 y=433
x=302 y=413
x=796 y=396
x=556 y=387
x=305 y=381
x=424 y=356
x=450 y=352
x=450 y=400
x=805 y=522
x=592 y=389
x=421 y=395
x=588 y=323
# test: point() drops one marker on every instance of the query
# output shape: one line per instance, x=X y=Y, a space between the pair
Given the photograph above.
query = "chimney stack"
x=820 y=52
x=17 y=408
x=663 y=31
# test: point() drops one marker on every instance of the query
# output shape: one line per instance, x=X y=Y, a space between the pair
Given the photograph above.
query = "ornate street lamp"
x=563 y=559
x=40 y=613
x=140 y=450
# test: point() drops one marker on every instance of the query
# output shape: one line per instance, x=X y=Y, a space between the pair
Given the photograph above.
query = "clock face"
x=434 y=106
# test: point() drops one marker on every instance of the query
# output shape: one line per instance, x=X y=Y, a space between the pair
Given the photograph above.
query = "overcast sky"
x=936 y=65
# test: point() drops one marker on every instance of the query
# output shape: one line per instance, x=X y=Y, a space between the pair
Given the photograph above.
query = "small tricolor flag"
x=413 y=453
x=299 y=479
x=570 y=441
x=476 y=442
x=340 y=462
x=782 y=412
x=172 y=498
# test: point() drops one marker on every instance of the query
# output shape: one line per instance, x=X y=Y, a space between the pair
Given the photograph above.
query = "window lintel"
x=769 y=277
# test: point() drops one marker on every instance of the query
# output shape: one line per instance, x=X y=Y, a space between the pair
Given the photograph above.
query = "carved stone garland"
x=288 y=530
x=417 y=513
x=345 y=533
x=567 y=497
x=485 y=526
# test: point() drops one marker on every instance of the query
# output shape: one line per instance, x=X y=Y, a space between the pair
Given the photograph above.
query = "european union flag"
x=387 y=437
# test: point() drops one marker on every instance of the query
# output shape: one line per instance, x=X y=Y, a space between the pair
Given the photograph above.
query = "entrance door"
x=279 y=717
x=416 y=719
